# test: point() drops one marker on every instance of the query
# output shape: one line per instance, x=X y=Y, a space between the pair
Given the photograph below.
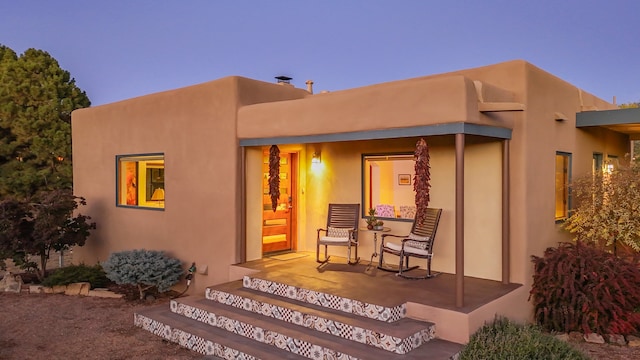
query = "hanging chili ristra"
x=274 y=176
x=421 y=180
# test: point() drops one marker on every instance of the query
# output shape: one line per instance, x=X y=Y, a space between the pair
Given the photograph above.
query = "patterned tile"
x=326 y=300
x=359 y=334
x=304 y=348
x=316 y=352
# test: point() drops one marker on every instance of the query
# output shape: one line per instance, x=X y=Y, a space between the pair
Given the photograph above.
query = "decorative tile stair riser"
x=189 y=341
x=271 y=317
x=280 y=341
x=371 y=311
x=359 y=334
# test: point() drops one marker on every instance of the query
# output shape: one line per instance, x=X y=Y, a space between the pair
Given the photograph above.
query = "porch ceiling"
x=428 y=130
x=626 y=121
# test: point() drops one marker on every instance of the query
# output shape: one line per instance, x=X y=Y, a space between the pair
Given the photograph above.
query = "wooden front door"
x=279 y=227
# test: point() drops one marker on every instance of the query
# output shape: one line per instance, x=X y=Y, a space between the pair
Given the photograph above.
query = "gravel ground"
x=35 y=326
x=38 y=326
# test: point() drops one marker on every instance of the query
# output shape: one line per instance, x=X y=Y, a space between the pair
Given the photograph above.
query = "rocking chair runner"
x=419 y=243
x=341 y=230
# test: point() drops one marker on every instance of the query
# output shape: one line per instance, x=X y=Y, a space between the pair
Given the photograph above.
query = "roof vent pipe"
x=309 y=86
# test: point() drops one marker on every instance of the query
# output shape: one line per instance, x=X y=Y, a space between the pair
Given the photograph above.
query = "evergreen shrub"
x=145 y=269
x=94 y=275
x=504 y=339
x=579 y=287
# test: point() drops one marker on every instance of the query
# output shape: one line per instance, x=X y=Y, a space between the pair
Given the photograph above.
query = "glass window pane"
x=562 y=177
x=388 y=185
x=141 y=180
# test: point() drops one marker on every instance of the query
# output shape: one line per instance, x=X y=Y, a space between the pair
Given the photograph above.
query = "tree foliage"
x=143 y=268
x=45 y=222
x=629 y=105
x=607 y=209
x=36 y=101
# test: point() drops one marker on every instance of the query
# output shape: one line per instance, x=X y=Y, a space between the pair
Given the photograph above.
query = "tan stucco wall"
x=195 y=128
x=339 y=177
x=198 y=127
x=405 y=103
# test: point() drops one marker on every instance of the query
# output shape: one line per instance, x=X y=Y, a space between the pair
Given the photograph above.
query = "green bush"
x=145 y=269
x=94 y=275
x=504 y=339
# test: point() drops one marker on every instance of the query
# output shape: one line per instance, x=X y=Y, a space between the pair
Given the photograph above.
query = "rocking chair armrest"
x=392 y=235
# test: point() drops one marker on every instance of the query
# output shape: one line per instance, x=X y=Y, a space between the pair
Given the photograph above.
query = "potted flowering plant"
x=378 y=225
x=371 y=219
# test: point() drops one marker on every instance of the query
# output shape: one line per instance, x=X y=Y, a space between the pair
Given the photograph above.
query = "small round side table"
x=375 y=240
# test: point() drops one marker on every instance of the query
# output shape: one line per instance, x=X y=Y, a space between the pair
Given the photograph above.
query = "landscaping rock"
x=36 y=289
x=564 y=337
x=616 y=339
x=59 y=289
x=104 y=294
x=84 y=290
x=594 y=338
x=576 y=335
x=11 y=283
x=633 y=341
x=81 y=288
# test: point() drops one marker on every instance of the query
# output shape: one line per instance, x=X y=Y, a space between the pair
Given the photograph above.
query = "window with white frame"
x=140 y=180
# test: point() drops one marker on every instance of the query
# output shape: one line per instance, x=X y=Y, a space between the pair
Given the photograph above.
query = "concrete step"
x=299 y=340
x=205 y=339
x=399 y=337
x=297 y=291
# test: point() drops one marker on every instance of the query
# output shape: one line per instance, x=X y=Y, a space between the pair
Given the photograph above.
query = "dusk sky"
x=121 y=49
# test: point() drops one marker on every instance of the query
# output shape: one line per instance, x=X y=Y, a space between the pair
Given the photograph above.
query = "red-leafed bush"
x=578 y=287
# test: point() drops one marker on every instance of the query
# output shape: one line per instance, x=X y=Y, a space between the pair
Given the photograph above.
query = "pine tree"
x=36 y=101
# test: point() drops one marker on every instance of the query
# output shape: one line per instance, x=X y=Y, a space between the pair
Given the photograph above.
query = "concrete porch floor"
x=370 y=284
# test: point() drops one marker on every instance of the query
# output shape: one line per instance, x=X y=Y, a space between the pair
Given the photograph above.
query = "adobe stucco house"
x=504 y=140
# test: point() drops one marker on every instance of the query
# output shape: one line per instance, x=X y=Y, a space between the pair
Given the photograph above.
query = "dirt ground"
x=76 y=327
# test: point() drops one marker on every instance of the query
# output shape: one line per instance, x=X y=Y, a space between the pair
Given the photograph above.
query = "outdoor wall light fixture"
x=315 y=158
x=610 y=168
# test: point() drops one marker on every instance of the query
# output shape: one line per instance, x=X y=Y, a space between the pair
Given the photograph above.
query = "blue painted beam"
x=427 y=130
x=608 y=117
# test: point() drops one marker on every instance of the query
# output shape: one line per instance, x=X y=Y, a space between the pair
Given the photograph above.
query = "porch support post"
x=241 y=242
x=459 y=220
x=506 y=225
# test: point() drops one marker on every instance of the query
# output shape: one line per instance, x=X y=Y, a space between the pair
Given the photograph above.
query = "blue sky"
x=121 y=49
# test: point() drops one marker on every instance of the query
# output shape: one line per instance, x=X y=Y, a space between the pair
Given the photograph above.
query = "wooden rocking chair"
x=341 y=230
x=419 y=243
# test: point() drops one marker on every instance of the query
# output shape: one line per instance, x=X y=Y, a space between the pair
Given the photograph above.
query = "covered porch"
x=452 y=142
x=430 y=300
